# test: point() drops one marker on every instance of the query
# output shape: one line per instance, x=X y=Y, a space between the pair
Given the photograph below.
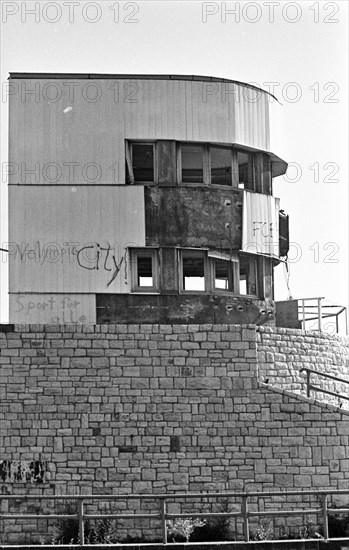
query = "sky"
x=297 y=50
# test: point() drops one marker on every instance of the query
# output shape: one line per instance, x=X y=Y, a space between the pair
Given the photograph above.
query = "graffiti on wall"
x=105 y=258
x=96 y=257
x=22 y=470
x=56 y=309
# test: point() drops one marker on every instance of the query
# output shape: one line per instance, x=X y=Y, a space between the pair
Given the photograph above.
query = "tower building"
x=143 y=199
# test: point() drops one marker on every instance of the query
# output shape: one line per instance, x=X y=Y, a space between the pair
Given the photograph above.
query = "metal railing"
x=317 y=388
x=315 y=309
x=245 y=513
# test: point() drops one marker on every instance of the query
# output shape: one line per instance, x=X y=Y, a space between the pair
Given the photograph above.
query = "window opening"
x=192 y=163
x=144 y=266
x=221 y=165
x=245 y=170
x=223 y=275
x=145 y=271
x=193 y=265
x=143 y=161
x=248 y=273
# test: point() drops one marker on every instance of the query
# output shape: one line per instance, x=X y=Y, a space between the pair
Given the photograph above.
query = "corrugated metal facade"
x=65 y=239
x=260 y=228
x=75 y=129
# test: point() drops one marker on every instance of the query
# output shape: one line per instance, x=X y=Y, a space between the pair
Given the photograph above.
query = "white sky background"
x=171 y=38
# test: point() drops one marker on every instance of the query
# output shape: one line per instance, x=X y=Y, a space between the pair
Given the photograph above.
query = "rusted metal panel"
x=73 y=239
x=53 y=308
x=287 y=314
x=180 y=308
x=74 y=131
x=194 y=216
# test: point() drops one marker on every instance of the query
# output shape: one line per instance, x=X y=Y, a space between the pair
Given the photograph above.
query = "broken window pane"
x=248 y=279
x=145 y=271
x=245 y=169
x=243 y=277
x=221 y=161
x=143 y=161
x=193 y=271
x=222 y=275
x=192 y=163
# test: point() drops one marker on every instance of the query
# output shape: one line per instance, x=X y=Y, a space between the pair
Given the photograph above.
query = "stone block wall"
x=154 y=409
x=283 y=352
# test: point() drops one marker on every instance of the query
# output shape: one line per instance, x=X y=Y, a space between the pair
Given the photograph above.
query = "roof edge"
x=105 y=76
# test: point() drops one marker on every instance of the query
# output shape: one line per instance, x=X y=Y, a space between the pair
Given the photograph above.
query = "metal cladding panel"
x=53 y=308
x=74 y=131
x=260 y=227
x=72 y=239
x=277 y=126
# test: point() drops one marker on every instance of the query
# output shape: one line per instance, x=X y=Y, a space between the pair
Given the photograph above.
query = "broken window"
x=144 y=268
x=193 y=270
x=140 y=162
x=245 y=170
x=221 y=165
x=192 y=157
x=145 y=271
x=248 y=276
x=223 y=275
x=225 y=271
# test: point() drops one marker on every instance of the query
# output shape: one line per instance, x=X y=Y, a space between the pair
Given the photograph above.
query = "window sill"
x=144 y=291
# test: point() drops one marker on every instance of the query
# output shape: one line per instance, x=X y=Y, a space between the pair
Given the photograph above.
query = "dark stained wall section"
x=167 y=167
x=182 y=309
x=168 y=271
x=194 y=216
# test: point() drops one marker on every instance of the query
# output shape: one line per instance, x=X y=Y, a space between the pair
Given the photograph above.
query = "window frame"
x=129 y=143
x=254 y=263
x=229 y=148
x=207 y=165
x=233 y=272
x=205 y=162
x=207 y=278
x=134 y=253
x=251 y=168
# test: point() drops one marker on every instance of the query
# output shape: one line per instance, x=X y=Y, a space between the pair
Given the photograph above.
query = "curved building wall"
x=79 y=231
x=82 y=121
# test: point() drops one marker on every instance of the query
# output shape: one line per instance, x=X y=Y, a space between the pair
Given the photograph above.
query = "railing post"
x=325 y=516
x=319 y=306
x=308 y=383
x=244 y=510
x=303 y=314
x=81 y=521
x=163 y=520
